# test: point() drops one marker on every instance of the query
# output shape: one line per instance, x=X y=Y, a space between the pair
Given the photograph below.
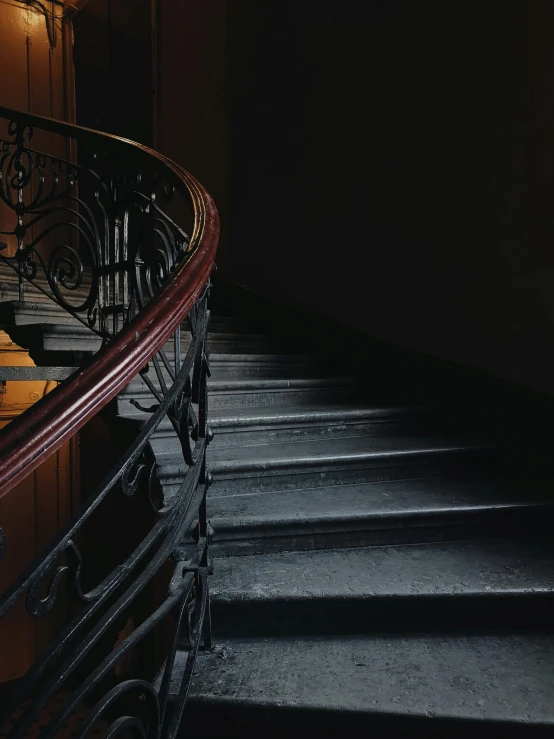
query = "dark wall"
x=114 y=73
x=385 y=168
x=386 y=162
x=192 y=107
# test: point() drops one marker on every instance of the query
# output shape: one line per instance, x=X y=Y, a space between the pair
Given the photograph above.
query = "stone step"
x=9 y=288
x=492 y=583
x=378 y=513
x=254 y=426
x=250 y=366
x=76 y=331
x=220 y=370
x=249 y=426
x=304 y=465
x=22 y=373
x=470 y=685
x=244 y=366
x=60 y=343
x=255 y=393
x=270 y=424
x=23 y=313
x=251 y=393
x=67 y=336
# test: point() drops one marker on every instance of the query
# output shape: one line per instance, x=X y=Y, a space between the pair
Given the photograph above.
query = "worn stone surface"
x=488 y=676
x=427 y=619
x=456 y=567
x=379 y=501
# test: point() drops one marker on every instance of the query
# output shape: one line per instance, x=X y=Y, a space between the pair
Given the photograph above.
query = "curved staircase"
x=379 y=558
x=377 y=565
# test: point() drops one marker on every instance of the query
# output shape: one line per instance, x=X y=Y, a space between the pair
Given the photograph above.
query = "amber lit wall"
x=34 y=78
x=32 y=71
x=31 y=515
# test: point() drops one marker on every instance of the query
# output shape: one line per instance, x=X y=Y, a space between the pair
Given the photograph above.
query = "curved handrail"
x=44 y=428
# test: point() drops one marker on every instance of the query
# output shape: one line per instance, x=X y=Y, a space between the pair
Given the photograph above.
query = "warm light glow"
x=35 y=18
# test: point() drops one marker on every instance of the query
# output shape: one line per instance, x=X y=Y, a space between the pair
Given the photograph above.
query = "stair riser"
x=93 y=343
x=233 y=371
x=248 y=398
x=248 y=370
x=244 y=719
x=242 y=541
x=409 y=614
x=299 y=479
x=282 y=397
x=74 y=358
x=166 y=442
x=236 y=346
x=39 y=342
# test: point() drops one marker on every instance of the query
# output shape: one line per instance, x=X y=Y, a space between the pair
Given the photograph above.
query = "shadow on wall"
x=391 y=165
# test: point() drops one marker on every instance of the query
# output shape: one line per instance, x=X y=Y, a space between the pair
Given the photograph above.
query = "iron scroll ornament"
x=91 y=236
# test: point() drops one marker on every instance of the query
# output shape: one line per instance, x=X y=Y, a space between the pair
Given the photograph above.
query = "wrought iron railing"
x=124 y=240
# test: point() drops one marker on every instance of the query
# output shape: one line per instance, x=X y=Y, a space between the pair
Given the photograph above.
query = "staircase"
x=382 y=556
x=372 y=567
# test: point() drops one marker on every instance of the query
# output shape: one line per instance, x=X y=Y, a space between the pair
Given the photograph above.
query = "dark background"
x=389 y=164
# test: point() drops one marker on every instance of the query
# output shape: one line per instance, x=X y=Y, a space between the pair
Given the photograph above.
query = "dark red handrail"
x=40 y=431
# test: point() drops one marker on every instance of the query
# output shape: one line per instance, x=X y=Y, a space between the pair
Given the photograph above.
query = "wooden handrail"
x=40 y=431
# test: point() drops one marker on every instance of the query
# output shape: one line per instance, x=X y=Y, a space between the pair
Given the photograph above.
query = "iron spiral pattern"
x=93 y=232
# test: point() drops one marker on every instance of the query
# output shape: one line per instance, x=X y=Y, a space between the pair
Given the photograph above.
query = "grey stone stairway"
x=373 y=569
x=375 y=565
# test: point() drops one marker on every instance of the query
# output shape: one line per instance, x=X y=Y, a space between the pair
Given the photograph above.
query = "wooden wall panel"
x=31 y=516
x=35 y=82
x=35 y=77
x=14 y=29
x=17 y=634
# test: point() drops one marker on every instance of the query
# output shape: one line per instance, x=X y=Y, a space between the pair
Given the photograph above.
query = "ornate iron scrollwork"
x=90 y=234
x=98 y=233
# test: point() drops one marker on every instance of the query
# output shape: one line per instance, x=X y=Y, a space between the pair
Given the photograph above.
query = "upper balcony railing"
x=124 y=240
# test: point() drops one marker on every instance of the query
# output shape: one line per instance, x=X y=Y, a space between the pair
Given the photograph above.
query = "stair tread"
x=269 y=383
x=356 y=448
x=485 y=676
x=350 y=450
x=484 y=566
x=75 y=329
x=222 y=418
x=79 y=329
x=376 y=500
x=329 y=415
x=238 y=387
x=281 y=383
x=267 y=358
